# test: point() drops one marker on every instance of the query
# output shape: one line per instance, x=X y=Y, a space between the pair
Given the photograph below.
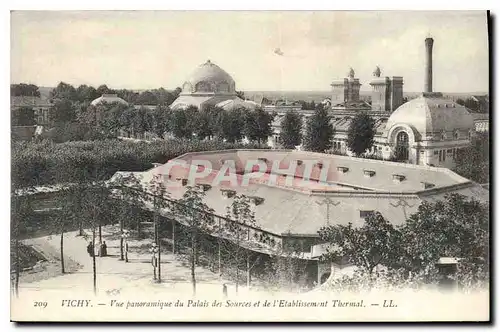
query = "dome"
x=209 y=78
x=431 y=113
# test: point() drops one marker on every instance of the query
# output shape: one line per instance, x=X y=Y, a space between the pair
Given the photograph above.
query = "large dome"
x=209 y=78
x=432 y=114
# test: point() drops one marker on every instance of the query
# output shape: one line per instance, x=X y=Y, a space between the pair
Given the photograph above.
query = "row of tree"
x=89 y=205
x=44 y=163
x=319 y=132
x=455 y=227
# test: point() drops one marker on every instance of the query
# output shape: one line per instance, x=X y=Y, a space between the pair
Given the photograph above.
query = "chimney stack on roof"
x=429 y=42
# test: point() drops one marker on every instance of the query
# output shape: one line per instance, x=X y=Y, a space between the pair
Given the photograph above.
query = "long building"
x=289 y=213
x=428 y=130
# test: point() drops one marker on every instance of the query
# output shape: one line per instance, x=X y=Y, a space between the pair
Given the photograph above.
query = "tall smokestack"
x=428 y=64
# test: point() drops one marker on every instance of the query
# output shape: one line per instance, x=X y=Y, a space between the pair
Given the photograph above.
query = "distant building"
x=40 y=106
x=209 y=85
x=108 y=99
x=481 y=121
x=340 y=190
x=427 y=130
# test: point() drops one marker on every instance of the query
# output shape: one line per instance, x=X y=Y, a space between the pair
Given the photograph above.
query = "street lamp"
x=154 y=261
x=125 y=236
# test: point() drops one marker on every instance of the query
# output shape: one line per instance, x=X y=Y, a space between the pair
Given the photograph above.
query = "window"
x=402 y=146
x=343 y=169
x=427 y=185
x=444 y=155
x=436 y=153
x=365 y=213
x=369 y=173
x=440 y=155
x=455 y=136
x=398 y=177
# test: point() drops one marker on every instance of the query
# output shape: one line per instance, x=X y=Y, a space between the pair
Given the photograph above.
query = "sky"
x=152 y=49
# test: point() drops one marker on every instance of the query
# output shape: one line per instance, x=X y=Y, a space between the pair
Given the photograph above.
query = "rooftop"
x=353 y=187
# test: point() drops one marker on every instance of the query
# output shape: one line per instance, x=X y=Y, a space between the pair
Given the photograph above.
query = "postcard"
x=250 y=166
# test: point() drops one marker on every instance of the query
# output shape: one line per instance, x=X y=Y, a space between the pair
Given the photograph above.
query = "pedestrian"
x=90 y=249
x=104 y=249
x=224 y=290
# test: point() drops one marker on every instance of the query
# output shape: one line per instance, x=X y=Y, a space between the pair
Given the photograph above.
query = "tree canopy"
x=319 y=132
x=291 y=130
x=361 y=133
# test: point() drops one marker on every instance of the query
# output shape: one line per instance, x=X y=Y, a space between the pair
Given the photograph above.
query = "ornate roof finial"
x=377 y=72
x=351 y=73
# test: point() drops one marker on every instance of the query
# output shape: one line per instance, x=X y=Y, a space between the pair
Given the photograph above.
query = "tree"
x=158 y=194
x=376 y=242
x=230 y=125
x=23 y=89
x=236 y=231
x=319 y=132
x=64 y=218
x=161 y=116
x=62 y=112
x=470 y=103
x=455 y=227
x=21 y=218
x=257 y=125
x=198 y=220
x=473 y=162
x=23 y=116
x=64 y=91
x=240 y=94
x=96 y=208
x=103 y=89
x=203 y=124
x=181 y=123
x=86 y=93
x=131 y=198
x=291 y=130
x=147 y=98
x=361 y=133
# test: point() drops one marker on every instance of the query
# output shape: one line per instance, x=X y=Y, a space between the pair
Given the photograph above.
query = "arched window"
x=402 y=146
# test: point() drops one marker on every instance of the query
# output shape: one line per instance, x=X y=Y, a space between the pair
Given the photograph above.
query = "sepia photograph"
x=250 y=166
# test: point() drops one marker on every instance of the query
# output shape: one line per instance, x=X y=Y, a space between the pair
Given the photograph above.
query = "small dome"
x=431 y=113
x=209 y=78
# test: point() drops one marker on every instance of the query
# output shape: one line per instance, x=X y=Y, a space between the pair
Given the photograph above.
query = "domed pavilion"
x=209 y=85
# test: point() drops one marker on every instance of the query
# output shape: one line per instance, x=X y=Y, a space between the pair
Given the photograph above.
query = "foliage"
x=390 y=280
x=291 y=130
x=455 y=227
x=181 y=122
x=23 y=116
x=41 y=163
x=85 y=93
x=22 y=89
x=407 y=255
x=257 y=125
x=64 y=91
x=319 y=132
x=473 y=162
x=230 y=125
x=197 y=219
x=237 y=233
x=366 y=247
x=474 y=105
x=62 y=112
x=361 y=133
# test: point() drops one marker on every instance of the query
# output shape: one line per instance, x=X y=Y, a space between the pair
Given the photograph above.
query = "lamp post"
x=125 y=236
x=154 y=261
